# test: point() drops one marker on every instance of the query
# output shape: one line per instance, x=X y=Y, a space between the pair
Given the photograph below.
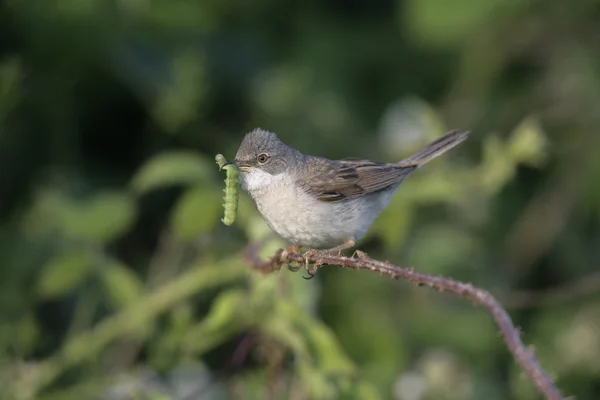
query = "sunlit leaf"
x=172 y=168
x=322 y=364
x=197 y=211
x=318 y=343
x=226 y=309
x=122 y=286
x=528 y=143
x=227 y=314
x=497 y=167
x=64 y=273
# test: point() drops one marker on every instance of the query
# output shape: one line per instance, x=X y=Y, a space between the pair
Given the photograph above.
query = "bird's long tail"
x=434 y=149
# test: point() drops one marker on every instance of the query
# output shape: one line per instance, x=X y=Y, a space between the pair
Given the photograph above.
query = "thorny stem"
x=523 y=355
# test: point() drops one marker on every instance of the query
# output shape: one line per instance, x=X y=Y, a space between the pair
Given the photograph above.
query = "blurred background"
x=118 y=280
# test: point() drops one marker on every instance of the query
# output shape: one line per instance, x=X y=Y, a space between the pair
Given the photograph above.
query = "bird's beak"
x=242 y=166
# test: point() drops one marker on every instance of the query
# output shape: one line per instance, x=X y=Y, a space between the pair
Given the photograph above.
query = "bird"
x=321 y=204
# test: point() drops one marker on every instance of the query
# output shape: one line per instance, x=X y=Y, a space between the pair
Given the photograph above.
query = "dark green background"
x=118 y=281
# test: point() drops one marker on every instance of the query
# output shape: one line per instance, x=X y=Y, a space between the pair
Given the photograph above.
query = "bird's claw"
x=312 y=271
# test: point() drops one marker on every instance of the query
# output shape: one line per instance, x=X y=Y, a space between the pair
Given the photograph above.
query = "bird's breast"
x=301 y=219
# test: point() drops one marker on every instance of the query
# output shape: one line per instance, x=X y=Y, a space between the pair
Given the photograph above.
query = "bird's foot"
x=311 y=268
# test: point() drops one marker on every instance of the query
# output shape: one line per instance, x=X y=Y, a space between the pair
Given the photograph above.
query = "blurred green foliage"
x=118 y=280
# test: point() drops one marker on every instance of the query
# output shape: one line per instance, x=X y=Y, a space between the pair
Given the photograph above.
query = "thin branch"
x=314 y=260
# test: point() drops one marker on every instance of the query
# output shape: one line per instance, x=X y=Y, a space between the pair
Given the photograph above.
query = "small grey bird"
x=318 y=203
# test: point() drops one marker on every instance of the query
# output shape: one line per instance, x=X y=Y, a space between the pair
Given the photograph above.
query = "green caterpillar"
x=232 y=182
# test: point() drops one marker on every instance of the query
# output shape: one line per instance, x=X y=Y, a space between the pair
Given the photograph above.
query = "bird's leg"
x=327 y=252
x=346 y=245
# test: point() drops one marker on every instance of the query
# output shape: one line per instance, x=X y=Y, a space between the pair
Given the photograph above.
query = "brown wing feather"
x=338 y=180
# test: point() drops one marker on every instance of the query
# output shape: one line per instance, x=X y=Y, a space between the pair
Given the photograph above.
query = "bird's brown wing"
x=339 y=180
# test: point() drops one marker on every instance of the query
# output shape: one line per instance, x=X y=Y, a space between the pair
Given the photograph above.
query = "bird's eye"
x=262 y=158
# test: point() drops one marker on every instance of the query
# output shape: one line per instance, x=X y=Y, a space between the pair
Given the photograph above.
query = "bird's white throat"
x=256 y=180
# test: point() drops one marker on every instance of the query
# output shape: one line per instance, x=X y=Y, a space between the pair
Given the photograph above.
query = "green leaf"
x=449 y=23
x=172 y=168
x=322 y=364
x=122 y=286
x=197 y=212
x=64 y=273
x=324 y=347
x=225 y=318
x=100 y=218
x=528 y=143
x=281 y=329
x=227 y=309
x=497 y=167
x=307 y=337
x=104 y=217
